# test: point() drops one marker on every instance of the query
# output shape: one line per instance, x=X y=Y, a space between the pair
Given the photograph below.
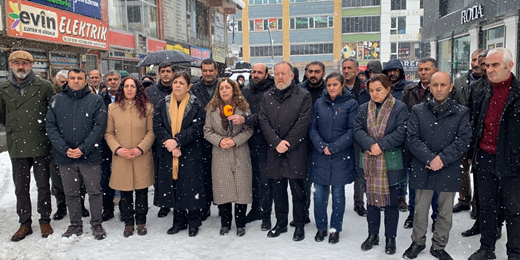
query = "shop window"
x=398 y=5
x=398 y=25
x=444 y=56
x=494 y=37
x=461 y=55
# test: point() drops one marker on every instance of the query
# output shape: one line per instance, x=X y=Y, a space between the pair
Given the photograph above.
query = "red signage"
x=118 y=39
x=38 y=22
x=156 y=45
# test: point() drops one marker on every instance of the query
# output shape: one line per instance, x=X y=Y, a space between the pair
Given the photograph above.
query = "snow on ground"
x=208 y=244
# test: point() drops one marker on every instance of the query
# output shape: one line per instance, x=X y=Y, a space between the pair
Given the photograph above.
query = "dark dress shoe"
x=460 y=207
x=254 y=215
x=320 y=236
x=205 y=213
x=474 y=213
x=193 y=232
x=408 y=223
x=483 y=254
x=403 y=207
x=266 y=224
x=413 y=251
x=224 y=231
x=60 y=213
x=163 y=212
x=474 y=230
x=334 y=237
x=276 y=231
x=107 y=215
x=299 y=234
x=241 y=232
x=175 y=229
x=360 y=210
x=84 y=212
x=370 y=242
x=440 y=253
x=390 y=245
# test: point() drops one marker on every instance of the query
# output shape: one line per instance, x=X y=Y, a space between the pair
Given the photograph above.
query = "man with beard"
x=260 y=83
x=462 y=90
x=24 y=99
x=316 y=86
x=112 y=79
x=350 y=68
x=285 y=114
x=204 y=90
x=395 y=72
x=156 y=93
x=95 y=82
x=495 y=152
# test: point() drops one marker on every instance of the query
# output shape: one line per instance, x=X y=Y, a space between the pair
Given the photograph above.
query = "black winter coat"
x=187 y=192
x=332 y=126
x=158 y=92
x=107 y=153
x=508 y=143
x=447 y=135
x=76 y=119
x=201 y=91
x=286 y=119
x=254 y=95
x=392 y=141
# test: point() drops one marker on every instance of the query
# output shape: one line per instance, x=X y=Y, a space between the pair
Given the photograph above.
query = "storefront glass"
x=494 y=37
x=461 y=55
x=444 y=56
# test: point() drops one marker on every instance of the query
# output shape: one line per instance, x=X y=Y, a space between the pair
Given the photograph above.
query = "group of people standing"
x=218 y=142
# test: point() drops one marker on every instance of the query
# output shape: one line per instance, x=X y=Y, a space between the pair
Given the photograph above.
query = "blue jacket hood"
x=392 y=65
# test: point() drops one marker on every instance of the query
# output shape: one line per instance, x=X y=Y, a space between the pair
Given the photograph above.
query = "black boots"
x=276 y=231
x=334 y=237
x=390 y=245
x=60 y=213
x=369 y=242
x=299 y=234
x=413 y=251
x=320 y=236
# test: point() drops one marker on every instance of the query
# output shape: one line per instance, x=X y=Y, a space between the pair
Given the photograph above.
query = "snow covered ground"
x=208 y=244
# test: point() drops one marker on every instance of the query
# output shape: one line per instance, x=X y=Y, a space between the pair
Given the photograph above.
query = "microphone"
x=228 y=111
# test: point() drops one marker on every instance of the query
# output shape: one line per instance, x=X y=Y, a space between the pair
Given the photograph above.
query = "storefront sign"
x=199 y=54
x=417 y=12
x=91 y=8
x=33 y=21
x=367 y=50
x=409 y=65
x=471 y=14
x=155 y=45
x=405 y=37
x=120 y=39
x=178 y=47
x=122 y=54
x=218 y=54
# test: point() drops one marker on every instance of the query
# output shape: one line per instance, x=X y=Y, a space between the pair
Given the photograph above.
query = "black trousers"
x=227 y=215
x=131 y=214
x=391 y=215
x=262 y=190
x=187 y=218
x=22 y=182
x=491 y=189
x=108 y=193
x=281 y=201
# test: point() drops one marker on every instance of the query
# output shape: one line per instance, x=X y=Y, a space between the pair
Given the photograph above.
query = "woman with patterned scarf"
x=177 y=124
x=231 y=170
x=380 y=130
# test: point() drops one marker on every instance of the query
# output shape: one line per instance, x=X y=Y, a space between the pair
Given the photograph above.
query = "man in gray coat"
x=285 y=114
x=24 y=99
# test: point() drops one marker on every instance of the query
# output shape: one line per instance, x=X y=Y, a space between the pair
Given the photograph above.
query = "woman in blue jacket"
x=331 y=133
x=380 y=130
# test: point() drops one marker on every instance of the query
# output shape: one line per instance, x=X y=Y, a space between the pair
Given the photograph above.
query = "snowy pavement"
x=208 y=244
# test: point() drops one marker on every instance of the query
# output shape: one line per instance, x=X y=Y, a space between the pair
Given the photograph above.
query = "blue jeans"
x=411 y=200
x=321 y=198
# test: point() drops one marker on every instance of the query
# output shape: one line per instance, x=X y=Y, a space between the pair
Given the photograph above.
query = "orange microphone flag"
x=228 y=110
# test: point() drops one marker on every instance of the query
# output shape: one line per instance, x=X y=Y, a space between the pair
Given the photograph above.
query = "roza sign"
x=472 y=13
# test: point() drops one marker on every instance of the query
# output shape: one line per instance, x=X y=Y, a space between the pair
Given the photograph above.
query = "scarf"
x=438 y=109
x=223 y=118
x=378 y=192
x=176 y=116
x=21 y=85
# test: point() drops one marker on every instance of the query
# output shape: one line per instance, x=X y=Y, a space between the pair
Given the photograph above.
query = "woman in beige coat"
x=231 y=163
x=130 y=136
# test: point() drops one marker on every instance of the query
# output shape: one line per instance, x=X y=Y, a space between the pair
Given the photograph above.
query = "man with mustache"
x=24 y=99
x=395 y=72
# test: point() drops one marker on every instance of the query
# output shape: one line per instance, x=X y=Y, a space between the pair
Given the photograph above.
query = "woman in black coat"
x=380 y=130
x=180 y=171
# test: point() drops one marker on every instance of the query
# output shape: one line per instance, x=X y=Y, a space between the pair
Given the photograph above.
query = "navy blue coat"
x=395 y=135
x=332 y=126
x=448 y=135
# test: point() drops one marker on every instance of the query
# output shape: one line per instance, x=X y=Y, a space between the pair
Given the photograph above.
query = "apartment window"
x=398 y=25
x=398 y=5
x=309 y=49
x=361 y=24
x=264 y=2
x=311 y=22
x=260 y=51
x=359 y=3
x=134 y=15
x=393 y=51
x=259 y=25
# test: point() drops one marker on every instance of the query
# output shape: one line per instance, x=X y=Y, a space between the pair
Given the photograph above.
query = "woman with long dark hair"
x=231 y=163
x=380 y=130
x=130 y=136
x=177 y=123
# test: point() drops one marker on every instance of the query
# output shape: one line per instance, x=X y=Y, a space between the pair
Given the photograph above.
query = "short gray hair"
x=112 y=72
x=356 y=63
x=62 y=73
x=507 y=56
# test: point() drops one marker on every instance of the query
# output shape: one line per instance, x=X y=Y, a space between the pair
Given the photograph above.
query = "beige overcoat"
x=127 y=130
x=230 y=168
